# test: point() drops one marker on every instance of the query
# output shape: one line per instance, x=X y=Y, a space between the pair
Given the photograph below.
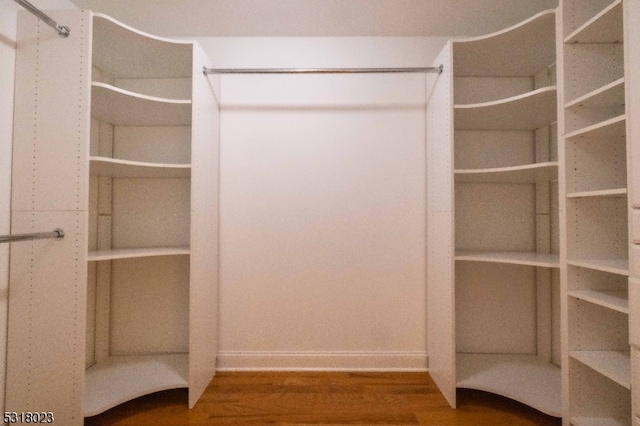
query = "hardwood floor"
x=321 y=398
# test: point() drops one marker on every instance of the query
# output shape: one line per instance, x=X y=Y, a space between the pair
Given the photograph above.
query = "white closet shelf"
x=616 y=192
x=615 y=300
x=104 y=166
x=513 y=257
x=528 y=173
x=612 y=128
x=122 y=378
x=608 y=96
x=125 y=52
x=122 y=107
x=614 y=266
x=615 y=365
x=528 y=111
x=521 y=50
x=598 y=421
x=605 y=27
x=506 y=374
x=136 y=252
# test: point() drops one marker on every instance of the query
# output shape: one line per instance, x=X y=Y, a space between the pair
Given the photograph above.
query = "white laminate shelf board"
x=614 y=127
x=122 y=107
x=528 y=111
x=597 y=421
x=518 y=258
x=122 y=378
x=524 y=378
x=521 y=50
x=616 y=365
x=602 y=193
x=528 y=173
x=125 y=52
x=95 y=256
x=614 y=266
x=608 y=96
x=615 y=300
x=605 y=27
x=104 y=166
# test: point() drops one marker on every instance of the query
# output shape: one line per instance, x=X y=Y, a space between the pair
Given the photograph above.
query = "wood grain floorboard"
x=321 y=398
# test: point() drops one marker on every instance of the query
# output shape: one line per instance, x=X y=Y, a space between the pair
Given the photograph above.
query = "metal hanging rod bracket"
x=206 y=70
x=57 y=233
x=62 y=30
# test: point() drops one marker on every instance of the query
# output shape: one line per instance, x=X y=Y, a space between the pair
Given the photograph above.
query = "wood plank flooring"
x=321 y=398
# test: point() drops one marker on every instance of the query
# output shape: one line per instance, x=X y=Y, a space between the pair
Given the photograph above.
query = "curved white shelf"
x=98 y=255
x=616 y=365
x=528 y=111
x=605 y=27
x=615 y=300
x=616 y=192
x=512 y=257
x=104 y=166
x=521 y=50
x=612 y=128
x=122 y=107
x=524 y=378
x=608 y=96
x=614 y=266
x=123 y=51
x=529 y=173
x=123 y=378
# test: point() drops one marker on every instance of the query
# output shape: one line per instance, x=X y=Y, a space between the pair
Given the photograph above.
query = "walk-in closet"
x=464 y=203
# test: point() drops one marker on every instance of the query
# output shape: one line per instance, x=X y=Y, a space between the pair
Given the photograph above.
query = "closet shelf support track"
x=437 y=70
x=57 y=233
x=62 y=30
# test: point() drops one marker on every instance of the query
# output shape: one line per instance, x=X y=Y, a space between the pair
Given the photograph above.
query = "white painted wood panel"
x=479 y=149
x=632 y=87
x=440 y=237
x=153 y=144
x=150 y=305
x=49 y=152
x=205 y=223
x=46 y=330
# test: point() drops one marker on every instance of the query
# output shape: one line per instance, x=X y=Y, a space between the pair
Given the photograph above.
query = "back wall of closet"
x=322 y=205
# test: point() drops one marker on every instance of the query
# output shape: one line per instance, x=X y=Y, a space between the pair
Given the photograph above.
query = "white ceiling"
x=318 y=18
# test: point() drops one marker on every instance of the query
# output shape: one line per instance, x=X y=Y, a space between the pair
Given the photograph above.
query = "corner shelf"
x=614 y=266
x=504 y=374
x=496 y=54
x=115 y=44
x=605 y=27
x=528 y=111
x=122 y=378
x=616 y=300
x=528 y=173
x=122 y=107
x=615 y=365
x=95 y=256
x=104 y=166
x=516 y=258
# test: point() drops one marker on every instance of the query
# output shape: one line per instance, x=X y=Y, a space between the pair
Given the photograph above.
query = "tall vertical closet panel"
x=136 y=311
x=440 y=244
x=203 y=320
x=47 y=294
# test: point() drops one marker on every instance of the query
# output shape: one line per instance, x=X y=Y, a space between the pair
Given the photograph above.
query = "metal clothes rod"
x=57 y=233
x=206 y=70
x=61 y=29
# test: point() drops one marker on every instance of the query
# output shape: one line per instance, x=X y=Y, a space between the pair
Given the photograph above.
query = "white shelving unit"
x=594 y=143
x=493 y=211
x=142 y=227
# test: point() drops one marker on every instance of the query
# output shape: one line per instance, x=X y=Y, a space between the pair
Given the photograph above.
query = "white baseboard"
x=322 y=361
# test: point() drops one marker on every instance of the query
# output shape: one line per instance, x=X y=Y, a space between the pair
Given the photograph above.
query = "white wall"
x=323 y=205
x=8 y=11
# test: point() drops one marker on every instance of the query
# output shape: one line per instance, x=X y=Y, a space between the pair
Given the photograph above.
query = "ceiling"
x=317 y=18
